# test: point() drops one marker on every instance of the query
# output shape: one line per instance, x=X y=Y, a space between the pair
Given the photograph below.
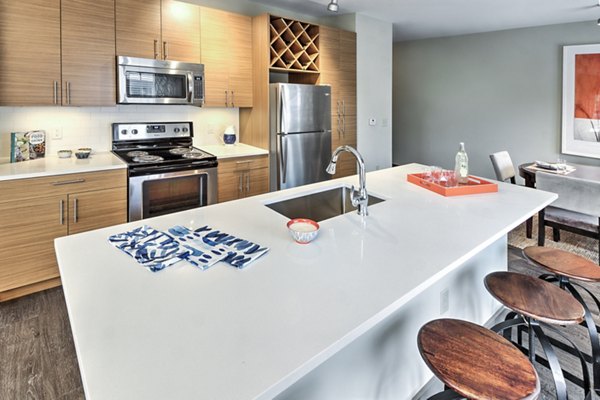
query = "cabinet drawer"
x=243 y=163
x=57 y=185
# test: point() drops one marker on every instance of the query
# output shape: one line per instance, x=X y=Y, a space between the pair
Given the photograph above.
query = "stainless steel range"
x=166 y=173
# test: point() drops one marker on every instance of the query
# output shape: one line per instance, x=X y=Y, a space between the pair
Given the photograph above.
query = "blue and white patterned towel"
x=153 y=249
x=232 y=250
x=202 y=255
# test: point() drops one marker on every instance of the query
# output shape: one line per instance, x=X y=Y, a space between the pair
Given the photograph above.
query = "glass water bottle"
x=461 y=167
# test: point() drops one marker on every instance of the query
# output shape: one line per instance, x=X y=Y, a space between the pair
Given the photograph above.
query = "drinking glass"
x=436 y=174
x=449 y=176
x=561 y=164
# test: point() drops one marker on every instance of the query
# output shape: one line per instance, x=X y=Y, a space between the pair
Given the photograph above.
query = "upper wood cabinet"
x=30 y=52
x=88 y=52
x=37 y=38
x=165 y=30
x=226 y=44
x=137 y=24
x=338 y=68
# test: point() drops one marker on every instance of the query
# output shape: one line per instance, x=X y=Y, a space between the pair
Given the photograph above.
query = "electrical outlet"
x=57 y=134
x=372 y=122
x=444 y=301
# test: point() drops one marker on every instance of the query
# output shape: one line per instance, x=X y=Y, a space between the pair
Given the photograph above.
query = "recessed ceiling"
x=419 y=19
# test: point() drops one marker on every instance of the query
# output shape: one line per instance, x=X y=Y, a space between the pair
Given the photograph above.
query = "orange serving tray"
x=475 y=185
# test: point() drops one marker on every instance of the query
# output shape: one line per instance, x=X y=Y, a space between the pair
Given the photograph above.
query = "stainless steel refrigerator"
x=300 y=134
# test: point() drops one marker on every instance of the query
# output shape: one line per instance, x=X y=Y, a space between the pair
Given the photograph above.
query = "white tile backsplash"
x=91 y=126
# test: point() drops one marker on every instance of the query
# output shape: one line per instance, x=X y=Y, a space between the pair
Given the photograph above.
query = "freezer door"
x=302 y=158
x=303 y=108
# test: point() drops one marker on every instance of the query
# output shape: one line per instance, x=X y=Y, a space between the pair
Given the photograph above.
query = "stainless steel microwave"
x=149 y=81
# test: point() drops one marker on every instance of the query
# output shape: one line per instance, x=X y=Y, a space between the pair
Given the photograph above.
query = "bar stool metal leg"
x=589 y=323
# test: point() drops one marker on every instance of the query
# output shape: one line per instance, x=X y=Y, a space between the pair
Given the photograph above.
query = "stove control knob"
x=176 y=130
x=124 y=132
x=134 y=131
x=184 y=129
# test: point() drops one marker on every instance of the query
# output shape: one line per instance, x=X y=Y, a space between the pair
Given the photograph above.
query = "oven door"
x=150 y=85
x=159 y=194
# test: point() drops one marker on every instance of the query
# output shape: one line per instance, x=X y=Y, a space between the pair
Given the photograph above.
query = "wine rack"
x=294 y=45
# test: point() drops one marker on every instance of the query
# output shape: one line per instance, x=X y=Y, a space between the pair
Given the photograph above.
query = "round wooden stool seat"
x=534 y=298
x=563 y=263
x=476 y=362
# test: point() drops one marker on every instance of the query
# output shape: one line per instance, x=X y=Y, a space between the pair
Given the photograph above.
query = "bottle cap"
x=462 y=146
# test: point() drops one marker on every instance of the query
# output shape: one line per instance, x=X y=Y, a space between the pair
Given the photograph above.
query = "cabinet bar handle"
x=165 y=50
x=61 y=219
x=243 y=162
x=68 y=92
x=156 y=55
x=232 y=99
x=55 y=92
x=241 y=187
x=68 y=182
x=227 y=98
x=248 y=183
x=75 y=210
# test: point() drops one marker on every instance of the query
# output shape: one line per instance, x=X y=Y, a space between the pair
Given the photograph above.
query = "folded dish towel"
x=153 y=249
x=202 y=247
x=238 y=252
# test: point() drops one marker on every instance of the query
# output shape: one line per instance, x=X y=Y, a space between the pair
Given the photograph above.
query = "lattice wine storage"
x=294 y=45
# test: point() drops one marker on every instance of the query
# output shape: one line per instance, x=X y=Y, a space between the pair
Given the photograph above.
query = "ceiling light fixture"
x=333 y=6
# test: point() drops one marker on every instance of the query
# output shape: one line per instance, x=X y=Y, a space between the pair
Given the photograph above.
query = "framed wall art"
x=581 y=100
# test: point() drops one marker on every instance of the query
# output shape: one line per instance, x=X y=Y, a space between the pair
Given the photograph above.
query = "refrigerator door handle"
x=282 y=158
x=281 y=106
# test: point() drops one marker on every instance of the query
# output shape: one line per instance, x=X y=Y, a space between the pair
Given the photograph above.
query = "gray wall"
x=494 y=91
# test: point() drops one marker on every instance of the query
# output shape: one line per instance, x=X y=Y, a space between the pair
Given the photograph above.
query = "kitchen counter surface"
x=226 y=333
x=52 y=165
x=236 y=150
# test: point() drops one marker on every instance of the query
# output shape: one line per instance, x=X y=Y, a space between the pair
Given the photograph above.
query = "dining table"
x=527 y=172
x=590 y=172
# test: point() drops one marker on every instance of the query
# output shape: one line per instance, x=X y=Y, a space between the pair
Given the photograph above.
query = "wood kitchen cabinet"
x=39 y=38
x=226 y=49
x=243 y=177
x=29 y=52
x=338 y=69
x=35 y=211
x=88 y=52
x=160 y=29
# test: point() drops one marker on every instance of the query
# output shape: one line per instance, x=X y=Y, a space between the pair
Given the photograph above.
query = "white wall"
x=495 y=91
x=91 y=126
x=374 y=91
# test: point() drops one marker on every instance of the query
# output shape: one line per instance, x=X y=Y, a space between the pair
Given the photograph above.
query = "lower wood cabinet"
x=36 y=211
x=243 y=177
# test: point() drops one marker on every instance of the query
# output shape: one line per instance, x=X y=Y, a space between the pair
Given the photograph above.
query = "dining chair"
x=576 y=210
x=503 y=166
x=505 y=170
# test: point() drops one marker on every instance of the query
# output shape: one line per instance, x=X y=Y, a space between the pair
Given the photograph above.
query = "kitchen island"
x=333 y=319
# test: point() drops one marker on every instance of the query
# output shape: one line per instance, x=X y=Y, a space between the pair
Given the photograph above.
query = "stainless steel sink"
x=319 y=206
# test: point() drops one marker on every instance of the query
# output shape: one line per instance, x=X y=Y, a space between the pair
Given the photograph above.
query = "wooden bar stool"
x=475 y=363
x=563 y=267
x=536 y=304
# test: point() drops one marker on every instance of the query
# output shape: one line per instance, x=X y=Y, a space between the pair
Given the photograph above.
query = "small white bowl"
x=64 y=153
x=303 y=230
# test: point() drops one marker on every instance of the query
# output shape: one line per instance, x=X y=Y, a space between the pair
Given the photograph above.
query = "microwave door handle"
x=191 y=87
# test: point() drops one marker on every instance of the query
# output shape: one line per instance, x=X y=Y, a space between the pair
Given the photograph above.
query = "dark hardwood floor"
x=38 y=361
x=37 y=354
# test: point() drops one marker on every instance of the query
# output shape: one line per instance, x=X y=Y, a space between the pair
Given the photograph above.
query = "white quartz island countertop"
x=225 y=333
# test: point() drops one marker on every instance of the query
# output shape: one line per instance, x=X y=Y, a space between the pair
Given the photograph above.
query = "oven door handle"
x=188 y=167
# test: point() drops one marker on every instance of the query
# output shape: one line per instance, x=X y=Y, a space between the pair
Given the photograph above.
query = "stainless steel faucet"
x=360 y=197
